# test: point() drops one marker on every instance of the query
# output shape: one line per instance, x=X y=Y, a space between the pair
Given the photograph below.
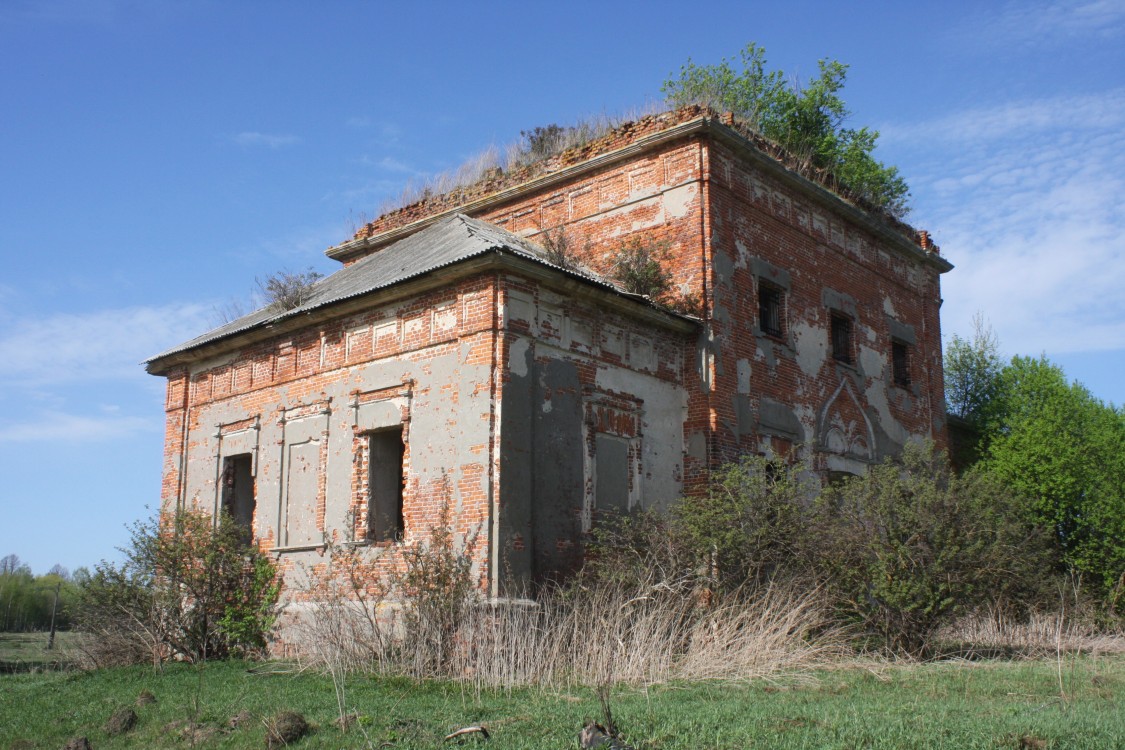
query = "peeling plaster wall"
x=302 y=405
x=582 y=384
x=655 y=197
x=776 y=393
x=527 y=404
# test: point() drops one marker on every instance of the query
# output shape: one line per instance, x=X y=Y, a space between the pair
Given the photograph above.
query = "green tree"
x=806 y=120
x=972 y=373
x=188 y=587
x=1061 y=448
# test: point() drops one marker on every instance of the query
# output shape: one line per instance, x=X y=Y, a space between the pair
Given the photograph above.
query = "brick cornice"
x=701 y=125
x=573 y=285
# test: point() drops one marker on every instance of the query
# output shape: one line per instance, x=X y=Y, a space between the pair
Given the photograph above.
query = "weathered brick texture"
x=528 y=399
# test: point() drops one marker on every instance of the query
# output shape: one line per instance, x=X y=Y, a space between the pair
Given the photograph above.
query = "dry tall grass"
x=598 y=635
x=1034 y=636
x=510 y=156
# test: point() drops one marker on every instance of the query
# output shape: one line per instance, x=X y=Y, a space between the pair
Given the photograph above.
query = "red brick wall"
x=307 y=370
x=756 y=218
x=713 y=209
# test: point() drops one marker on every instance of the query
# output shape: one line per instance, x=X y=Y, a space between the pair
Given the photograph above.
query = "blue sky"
x=156 y=156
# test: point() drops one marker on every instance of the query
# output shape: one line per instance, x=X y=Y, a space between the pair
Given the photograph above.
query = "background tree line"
x=1056 y=446
x=26 y=600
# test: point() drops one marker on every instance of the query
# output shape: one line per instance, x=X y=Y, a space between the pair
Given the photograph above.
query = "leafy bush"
x=750 y=524
x=908 y=547
x=901 y=551
x=188 y=587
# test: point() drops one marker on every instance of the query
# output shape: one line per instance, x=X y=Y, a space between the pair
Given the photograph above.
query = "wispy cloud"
x=268 y=140
x=1086 y=112
x=85 y=12
x=1025 y=199
x=101 y=344
x=56 y=426
x=301 y=248
x=1055 y=20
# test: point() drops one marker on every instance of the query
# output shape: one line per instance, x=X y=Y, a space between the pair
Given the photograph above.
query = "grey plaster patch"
x=724 y=265
x=776 y=418
x=901 y=331
x=744 y=415
x=720 y=313
x=519 y=357
x=845 y=303
x=811 y=343
x=558 y=475
x=697 y=446
x=679 y=200
x=743 y=254
x=744 y=372
x=871 y=360
x=771 y=273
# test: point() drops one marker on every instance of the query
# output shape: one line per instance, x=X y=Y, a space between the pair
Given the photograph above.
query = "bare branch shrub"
x=286 y=290
x=638 y=269
x=560 y=247
x=437 y=590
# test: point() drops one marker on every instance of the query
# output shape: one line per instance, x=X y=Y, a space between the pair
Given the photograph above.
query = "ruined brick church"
x=458 y=369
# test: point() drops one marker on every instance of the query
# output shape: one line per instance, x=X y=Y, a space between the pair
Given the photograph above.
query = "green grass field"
x=952 y=705
x=23 y=652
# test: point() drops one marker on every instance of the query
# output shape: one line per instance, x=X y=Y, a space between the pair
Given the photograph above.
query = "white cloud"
x=58 y=426
x=1025 y=198
x=1060 y=116
x=102 y=344
x=1056 y=20
x=269 y=140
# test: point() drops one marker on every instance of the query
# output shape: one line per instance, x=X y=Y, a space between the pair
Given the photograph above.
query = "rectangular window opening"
x=385 y=451
x=238 y=491
x=900 y=363
x=841 y=338
x=771 y=301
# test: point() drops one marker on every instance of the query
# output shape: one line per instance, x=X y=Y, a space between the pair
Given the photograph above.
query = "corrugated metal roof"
x=457 y=239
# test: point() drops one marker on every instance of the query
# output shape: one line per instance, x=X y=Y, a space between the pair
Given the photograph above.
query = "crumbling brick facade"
x=527 y=396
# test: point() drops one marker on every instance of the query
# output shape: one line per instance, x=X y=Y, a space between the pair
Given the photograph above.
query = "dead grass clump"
x=285 y=728
x=533 y=146
x=600 y=634
x=1035 y=635
x=121 y=721
x=778 y=629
